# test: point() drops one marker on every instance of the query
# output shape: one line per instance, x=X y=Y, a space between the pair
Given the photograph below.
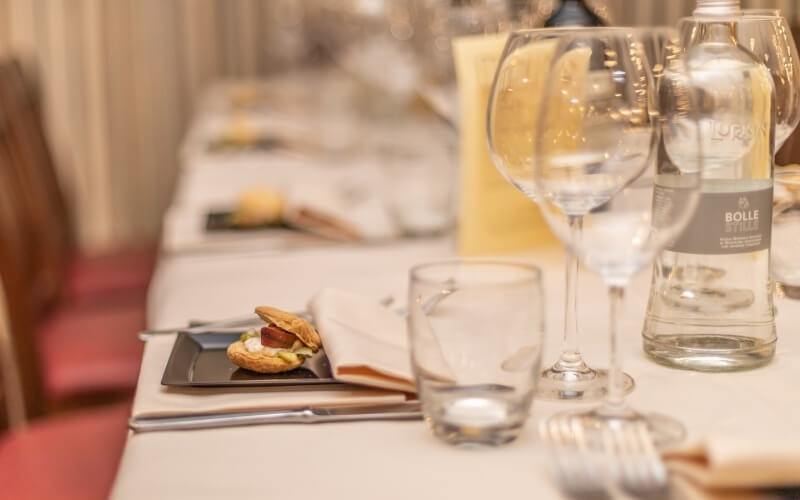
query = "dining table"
x=197 y=279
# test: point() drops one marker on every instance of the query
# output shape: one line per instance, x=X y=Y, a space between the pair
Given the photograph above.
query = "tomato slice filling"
x=276 y=337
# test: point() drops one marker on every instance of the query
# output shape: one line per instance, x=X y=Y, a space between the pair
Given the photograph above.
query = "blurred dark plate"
x=221 y=221
x=200 y=360
x=259 y=144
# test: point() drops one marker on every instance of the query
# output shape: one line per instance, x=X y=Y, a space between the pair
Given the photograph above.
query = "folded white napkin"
x=153 y=399
x=365 y=342
x=735 y=468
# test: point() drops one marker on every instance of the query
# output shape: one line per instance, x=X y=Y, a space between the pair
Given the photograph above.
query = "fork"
x=236 y=323
x=636 y=465
x=615 y=461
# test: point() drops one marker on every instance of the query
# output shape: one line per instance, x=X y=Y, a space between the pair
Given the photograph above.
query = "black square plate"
x=221 y=221
x=200 y=360
x=259 y=144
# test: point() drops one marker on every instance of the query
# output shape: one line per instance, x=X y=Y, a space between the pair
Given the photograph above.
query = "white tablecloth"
x=401 y=460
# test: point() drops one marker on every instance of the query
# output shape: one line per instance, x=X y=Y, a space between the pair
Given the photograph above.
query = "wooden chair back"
x=42 y=205
x=18 y=269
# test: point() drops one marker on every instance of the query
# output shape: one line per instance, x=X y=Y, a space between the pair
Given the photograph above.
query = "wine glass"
x=513 y=111
x=768 y=36
x=598 y=131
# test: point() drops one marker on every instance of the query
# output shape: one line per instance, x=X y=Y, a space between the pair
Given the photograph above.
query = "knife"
x=409 y=410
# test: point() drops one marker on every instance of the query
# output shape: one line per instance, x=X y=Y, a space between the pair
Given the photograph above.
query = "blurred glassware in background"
x=369 y=72
x=439 y=21
x=786 y=232
x=399 y=54
x=369 y=40
x=337 y=120
x=418 y=159
x=290 y=45
x=401 y=47
x=767 y=35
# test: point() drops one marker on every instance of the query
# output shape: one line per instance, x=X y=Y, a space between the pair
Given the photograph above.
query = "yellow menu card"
x=494 y=216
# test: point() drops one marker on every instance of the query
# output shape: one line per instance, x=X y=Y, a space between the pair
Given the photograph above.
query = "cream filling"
x=253 y=344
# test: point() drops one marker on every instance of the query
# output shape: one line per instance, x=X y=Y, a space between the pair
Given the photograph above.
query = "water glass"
x=475 y=330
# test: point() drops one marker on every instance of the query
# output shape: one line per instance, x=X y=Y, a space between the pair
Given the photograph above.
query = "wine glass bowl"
x=514 y=103
x=595 y=149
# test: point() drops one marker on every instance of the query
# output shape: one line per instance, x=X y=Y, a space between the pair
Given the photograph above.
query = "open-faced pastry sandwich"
x=283 y=343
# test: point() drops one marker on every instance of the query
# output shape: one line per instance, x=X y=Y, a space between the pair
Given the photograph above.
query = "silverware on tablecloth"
x=618 y=462
x=216 y=326
x=409 y=410
x=238 y=322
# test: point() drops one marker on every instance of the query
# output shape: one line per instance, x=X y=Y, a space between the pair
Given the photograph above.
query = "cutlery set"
x=611 y=462
x=616 y=461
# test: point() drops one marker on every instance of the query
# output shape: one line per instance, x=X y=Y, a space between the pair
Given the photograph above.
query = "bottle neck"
x=718 y=8
x=574 y=13
x=721 y=31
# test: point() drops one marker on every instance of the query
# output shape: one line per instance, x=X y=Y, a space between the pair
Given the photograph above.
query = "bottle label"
x=724 y=223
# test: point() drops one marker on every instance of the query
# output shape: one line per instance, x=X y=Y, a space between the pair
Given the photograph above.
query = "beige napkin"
x=153 y=399
x=729 y=468
x=365 y=342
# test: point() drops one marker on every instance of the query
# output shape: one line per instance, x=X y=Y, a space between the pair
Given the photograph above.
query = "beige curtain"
x=119 y=78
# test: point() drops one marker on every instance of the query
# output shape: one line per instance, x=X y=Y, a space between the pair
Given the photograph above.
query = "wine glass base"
x=584 y=384
x=664 y=430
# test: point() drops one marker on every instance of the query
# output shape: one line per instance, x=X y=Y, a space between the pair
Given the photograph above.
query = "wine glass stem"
x=570 y=354
x=615 y=400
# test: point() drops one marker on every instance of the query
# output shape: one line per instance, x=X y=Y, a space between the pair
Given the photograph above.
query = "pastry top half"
x=301 y=328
